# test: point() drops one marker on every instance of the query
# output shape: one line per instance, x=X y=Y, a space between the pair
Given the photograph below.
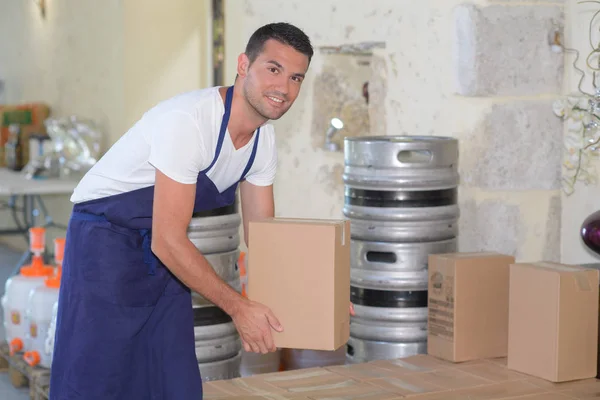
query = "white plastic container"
x=38 y=317
x=49 y=344
x=16 y=298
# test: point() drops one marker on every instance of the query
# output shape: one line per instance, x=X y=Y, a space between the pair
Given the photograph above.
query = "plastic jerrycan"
x=39 y=313
x=17 y=288
x=49 y=344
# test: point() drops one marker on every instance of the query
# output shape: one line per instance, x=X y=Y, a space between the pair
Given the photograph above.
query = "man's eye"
x=273 y=70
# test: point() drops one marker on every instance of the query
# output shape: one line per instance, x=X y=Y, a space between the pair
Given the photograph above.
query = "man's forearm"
x=193 y=269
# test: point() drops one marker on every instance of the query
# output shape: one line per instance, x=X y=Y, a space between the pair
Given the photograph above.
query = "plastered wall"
x=107 y=60
x=480 y=71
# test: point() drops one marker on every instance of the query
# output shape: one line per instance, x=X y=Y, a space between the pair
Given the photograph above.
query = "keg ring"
x=400 y=198
x=388 y=298
x=213 y=315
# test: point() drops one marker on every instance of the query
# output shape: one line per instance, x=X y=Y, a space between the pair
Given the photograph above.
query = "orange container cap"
x=54 y=281
x=32 y=358
x=37 y=238
x=15 y=346
x=37 y=268
x=59 y=249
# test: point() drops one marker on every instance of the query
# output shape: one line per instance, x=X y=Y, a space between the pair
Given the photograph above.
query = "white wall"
x=139 y=52
x=504 y=124
x=106 y=60
x=71 y=60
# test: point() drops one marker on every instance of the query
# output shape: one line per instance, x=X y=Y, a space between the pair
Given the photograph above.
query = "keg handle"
x=415 y=156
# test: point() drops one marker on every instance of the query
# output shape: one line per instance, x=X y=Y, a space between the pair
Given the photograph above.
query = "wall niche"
x=351 y=88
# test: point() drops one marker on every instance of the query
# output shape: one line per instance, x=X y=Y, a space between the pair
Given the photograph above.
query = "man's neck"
x=244 y=120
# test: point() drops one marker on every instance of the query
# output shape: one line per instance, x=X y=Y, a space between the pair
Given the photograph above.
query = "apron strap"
x=223 y=129
x=252 y=156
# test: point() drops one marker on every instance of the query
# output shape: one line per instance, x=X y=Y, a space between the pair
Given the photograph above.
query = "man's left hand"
x=352 y=313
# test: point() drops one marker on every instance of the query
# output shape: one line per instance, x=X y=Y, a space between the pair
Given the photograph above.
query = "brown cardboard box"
x=412 y=364
x=357 y=391
x=511 y=390
x=492 y=371
x=553 y=321
x=597 y=267
x=307 y=382
x=300 y=268
x=468 y=305
x=30 y=117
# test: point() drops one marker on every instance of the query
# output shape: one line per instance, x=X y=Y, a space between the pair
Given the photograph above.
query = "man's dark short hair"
x=282 y=32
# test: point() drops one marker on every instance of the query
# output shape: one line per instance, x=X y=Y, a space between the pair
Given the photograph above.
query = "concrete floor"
x=8 y=260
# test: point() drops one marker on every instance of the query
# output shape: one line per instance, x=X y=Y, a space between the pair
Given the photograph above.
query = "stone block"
x=518 y=146
x=553 y=227
x=491 y=225
x=504 y=50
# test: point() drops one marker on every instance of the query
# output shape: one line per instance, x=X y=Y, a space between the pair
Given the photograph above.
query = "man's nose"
x=283 y=85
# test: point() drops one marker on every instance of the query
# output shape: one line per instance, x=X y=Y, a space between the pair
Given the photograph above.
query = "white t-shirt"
x=179 y=137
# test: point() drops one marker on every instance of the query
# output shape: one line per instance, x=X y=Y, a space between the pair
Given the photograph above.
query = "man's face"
x=272 y=82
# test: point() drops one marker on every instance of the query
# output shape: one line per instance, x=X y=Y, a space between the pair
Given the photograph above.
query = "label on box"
x=441 y=306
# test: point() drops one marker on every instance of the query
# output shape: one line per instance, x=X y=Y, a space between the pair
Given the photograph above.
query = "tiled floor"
x=8 y=260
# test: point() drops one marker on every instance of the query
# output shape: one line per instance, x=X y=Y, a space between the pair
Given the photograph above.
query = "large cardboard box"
x=553 y=321
x=468 y=305
x=300 y=268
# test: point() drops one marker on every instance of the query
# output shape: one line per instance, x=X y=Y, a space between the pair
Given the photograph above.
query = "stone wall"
x=480 y=71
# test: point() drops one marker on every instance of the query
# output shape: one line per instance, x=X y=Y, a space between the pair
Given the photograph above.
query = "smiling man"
x=125 y=323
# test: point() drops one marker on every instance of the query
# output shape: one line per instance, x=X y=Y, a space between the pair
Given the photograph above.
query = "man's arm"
x=172 y=212
x=257 y=203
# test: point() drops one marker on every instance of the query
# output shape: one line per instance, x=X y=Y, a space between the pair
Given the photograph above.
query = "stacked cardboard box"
x=420 y=377
x=542 y=316
x=497 y=329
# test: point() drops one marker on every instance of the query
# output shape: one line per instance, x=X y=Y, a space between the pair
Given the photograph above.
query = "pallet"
x=22 y=374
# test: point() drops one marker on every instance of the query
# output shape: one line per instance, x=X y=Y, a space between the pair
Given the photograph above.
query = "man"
x=125 y=326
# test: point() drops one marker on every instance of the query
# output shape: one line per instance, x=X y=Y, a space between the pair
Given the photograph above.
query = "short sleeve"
x=265 y=176
x=176 y=147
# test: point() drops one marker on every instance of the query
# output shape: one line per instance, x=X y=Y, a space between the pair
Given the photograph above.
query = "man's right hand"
x=254 y=322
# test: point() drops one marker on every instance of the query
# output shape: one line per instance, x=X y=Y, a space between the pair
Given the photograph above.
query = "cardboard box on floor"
x=553 y=321
x=300 y=268
x=468 y=305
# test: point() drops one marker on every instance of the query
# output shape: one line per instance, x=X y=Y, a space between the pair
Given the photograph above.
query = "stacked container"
x=401 y=198
x=218 y=346
x=255 y=363
x=17 y=288
x=39 y=313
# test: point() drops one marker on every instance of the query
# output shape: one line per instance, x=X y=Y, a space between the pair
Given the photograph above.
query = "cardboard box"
x=596 y=266
x=553 y=321
x=30 y=117
x=300 y=268
x=468 y=305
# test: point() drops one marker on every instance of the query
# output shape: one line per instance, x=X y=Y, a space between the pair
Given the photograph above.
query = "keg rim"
x=400 y=139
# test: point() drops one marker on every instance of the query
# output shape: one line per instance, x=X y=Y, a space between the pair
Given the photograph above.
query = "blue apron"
x=125 y=324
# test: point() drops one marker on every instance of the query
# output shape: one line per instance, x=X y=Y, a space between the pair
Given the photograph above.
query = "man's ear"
x=243 y=64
